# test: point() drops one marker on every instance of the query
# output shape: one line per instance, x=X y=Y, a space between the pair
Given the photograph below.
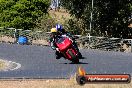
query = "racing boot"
x=58 y=55
x=80 y=55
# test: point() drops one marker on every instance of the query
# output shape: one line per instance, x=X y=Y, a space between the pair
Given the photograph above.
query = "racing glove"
x=57 y=49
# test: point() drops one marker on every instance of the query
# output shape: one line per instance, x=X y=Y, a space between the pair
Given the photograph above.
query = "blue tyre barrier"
x=22 y=40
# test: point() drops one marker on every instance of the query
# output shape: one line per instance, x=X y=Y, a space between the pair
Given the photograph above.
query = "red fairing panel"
x=66 y=43
x=68 y=53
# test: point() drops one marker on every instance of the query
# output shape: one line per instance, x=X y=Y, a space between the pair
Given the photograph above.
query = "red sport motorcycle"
x=67 y=49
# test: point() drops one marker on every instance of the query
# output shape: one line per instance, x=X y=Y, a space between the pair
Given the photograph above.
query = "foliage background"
x=22 y=14
x=110 y=18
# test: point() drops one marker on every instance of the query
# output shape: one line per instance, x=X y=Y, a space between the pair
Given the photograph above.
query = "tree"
x=108 y=16
x=22 y=14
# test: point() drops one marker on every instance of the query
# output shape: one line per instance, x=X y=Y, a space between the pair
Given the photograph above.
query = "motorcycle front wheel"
x=74 y=57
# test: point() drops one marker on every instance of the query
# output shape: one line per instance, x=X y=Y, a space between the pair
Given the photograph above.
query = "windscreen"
x=60 y=40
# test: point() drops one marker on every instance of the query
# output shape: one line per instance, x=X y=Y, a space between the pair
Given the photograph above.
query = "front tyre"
x=74 y=58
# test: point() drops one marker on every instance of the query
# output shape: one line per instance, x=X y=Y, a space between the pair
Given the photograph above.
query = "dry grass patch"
x=59 y=16
x=2 y=64
x=7 y=39
x=56 y=83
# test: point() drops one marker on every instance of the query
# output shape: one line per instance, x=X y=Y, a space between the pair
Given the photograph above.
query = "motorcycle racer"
x=52 y=41
x=62 y=32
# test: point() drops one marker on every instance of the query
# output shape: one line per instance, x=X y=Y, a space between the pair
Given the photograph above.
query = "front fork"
x=66 y=54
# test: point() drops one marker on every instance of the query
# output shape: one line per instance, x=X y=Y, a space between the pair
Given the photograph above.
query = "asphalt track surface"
x=40 y=62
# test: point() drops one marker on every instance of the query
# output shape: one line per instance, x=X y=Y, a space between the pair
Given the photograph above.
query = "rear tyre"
x=74 y=58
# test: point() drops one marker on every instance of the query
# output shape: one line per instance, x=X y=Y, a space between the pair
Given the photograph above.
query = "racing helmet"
x=53 y=30
x=59 y=27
